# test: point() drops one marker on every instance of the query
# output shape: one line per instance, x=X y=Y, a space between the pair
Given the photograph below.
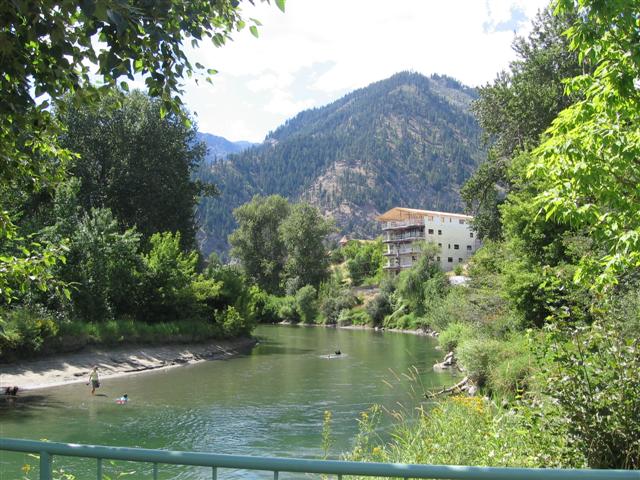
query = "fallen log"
x=461 y=386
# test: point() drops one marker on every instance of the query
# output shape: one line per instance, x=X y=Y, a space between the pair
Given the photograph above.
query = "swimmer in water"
x=123 y=399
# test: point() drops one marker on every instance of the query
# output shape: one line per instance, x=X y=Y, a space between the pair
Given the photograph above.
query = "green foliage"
x=306 y=304
x=364 y=260
x=127 y=152
x=516 y=109
x=353 y=317
x=451 y=337
x=465 y=431
x=587 y=162
x=168 y=274
x=103 y=267
x=25 y=332
x=233 y=324
x=51 y=49
x=411 y=288
x=257 y=242
x=279 y=245
x=378 y=308
x=594 y=379
x=303 y=233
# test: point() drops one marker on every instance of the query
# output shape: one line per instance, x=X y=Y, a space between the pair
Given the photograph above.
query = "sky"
x=319 y=50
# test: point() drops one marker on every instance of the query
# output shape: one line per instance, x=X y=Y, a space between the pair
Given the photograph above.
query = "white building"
x=403 y=227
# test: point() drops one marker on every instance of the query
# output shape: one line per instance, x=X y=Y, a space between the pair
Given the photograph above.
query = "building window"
x=471 y=234
x=459 y=260
x=439 y=232
x=413 y=258
x=456 y=246
x=469 y=248
x=431 y=231
x=449 y=246
x=440 y=245
x=450 y=259
x=438 y=259
x=461 y=222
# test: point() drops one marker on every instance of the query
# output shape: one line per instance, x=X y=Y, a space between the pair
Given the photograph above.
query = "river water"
x=269 y=402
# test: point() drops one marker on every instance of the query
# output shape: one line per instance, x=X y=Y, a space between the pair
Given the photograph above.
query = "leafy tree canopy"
x=589 y=160
x=515 y=110
x=52 y=47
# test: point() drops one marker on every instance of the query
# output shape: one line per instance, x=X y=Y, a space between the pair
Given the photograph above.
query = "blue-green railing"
x=47 y=450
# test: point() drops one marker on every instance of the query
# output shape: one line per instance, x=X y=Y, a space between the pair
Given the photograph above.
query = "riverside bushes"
x=466 y=431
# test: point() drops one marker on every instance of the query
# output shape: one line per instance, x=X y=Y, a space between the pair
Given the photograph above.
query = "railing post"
x=275 y=475
x=155 y=471
x=214 y=473
x=99 y=469
x=45 y=466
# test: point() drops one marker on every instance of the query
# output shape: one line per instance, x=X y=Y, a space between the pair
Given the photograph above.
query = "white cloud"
x=320 y=49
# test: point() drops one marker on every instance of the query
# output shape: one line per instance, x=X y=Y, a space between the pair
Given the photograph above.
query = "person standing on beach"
x=95 y=381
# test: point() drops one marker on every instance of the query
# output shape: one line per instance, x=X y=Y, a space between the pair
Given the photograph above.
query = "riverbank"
x=114 y=362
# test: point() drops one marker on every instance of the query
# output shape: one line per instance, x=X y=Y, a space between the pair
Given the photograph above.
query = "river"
x=269 y=402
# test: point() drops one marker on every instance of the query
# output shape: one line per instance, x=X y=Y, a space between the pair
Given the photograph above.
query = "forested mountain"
x=407 y=141
x=220 y=147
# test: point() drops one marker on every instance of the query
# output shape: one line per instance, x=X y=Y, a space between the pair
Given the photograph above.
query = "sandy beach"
x=112 y=362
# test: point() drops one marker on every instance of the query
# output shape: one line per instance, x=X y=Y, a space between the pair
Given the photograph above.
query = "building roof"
x=401 y=213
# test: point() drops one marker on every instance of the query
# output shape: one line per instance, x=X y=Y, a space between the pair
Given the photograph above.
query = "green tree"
x=306 y=304
x=103 y=267
x=303 y=234
x=364 y=260
x=516 y=109
x=134 y=161
x=588 y=162
x=411 y=283
x=169 y=272
x=53 y=47
x=257 y=242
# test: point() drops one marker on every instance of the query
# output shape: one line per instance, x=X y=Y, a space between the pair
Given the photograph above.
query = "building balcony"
x=400 y=224
x=406 y=237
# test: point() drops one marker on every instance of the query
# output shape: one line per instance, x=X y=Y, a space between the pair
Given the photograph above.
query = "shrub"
x=306 y=304
x=331 y=306
x=465 y=431
x=25 y=331
x=378 y=308
x=287 y=310
x=479 y=356
x=594 y=379
x=233 y=324
x=453 y=335
x=353 y=317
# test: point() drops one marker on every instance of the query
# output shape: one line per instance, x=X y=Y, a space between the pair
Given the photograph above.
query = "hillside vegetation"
x=408 y=140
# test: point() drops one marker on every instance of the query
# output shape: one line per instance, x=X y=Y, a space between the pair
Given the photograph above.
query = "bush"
x=233 y=324
x=453 y=335
x=465 y=431
x=331 y=307
x=594 y=379
x=306 y=304
x=378 y=308
x=287 y=310
x=479 y=356
x=25 y=331
x=353 y=317
x=263 y=306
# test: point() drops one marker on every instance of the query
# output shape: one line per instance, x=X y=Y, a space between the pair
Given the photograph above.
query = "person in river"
x=94 y=380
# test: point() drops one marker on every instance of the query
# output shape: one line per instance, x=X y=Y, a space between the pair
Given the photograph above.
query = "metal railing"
x=47 y=450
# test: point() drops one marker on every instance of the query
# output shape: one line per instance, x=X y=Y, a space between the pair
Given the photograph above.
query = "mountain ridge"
x=409 y=140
